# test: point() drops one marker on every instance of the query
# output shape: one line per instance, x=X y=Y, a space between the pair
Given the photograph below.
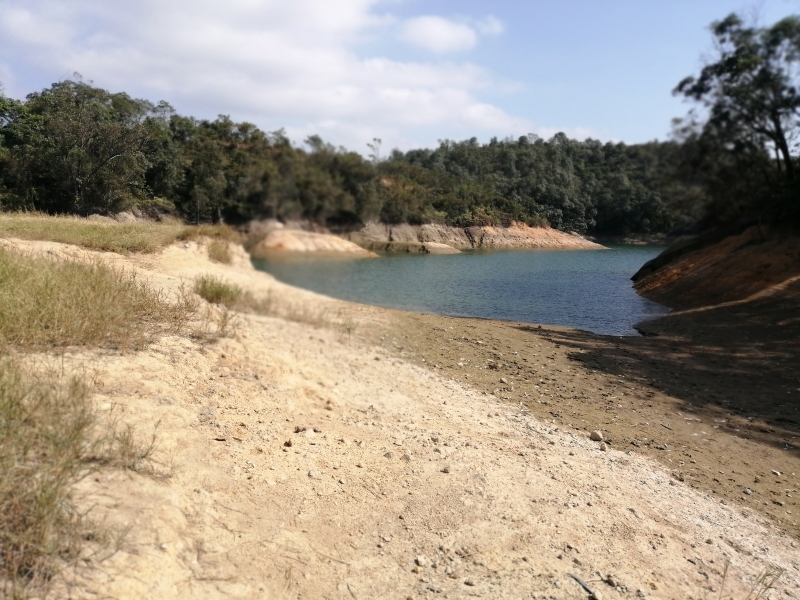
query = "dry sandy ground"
x=318 y=461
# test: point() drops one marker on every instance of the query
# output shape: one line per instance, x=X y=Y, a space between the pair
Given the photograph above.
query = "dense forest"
x=75 y=148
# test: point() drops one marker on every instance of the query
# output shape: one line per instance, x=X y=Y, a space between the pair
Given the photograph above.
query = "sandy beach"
x=342 y=451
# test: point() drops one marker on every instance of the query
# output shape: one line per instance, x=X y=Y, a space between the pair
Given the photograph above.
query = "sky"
x=409 y=72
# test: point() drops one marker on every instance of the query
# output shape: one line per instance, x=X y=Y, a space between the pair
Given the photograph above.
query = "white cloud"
x=438 y=34
x=272 y=62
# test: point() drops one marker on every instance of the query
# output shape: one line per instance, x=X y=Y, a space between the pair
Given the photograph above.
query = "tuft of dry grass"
x=108 y=236
x=218 y=251
x=50 y=438
x=47 y=303
x=45 y=426
x=216 y=291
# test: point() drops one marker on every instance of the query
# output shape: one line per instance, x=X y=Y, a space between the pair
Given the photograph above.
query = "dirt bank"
x=325 y=459
x=731 y=269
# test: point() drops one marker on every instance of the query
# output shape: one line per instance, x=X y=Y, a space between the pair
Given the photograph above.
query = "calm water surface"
x=587 y=289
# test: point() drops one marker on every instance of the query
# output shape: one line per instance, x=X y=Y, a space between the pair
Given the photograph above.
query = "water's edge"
x=584 y=289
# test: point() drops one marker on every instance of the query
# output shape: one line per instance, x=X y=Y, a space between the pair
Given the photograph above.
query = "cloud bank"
x=302 y=64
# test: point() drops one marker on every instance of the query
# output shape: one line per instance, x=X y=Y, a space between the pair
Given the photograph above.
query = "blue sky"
x=410 y=72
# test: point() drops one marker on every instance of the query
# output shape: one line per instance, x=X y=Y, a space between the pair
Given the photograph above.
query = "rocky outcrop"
x=408 y=238
x=289 y=240
x=703 y=273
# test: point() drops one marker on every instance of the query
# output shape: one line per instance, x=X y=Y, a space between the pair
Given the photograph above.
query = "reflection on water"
x=587 y=289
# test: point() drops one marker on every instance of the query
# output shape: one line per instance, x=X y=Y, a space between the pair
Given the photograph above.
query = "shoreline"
x=337 y=448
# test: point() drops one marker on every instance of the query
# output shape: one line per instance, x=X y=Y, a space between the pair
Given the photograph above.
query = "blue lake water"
x=586 y=289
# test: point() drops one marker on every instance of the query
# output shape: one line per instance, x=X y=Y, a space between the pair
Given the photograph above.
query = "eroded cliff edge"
x=716 y=269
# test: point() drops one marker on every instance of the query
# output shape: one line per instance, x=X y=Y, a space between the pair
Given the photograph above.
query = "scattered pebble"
x=421 y=561
x=596 y=436
x=747 y=491
x=469 y=582
x=389 y=455
x=446 y=470
x=603 y=446
x=288 y=443
x=314 y=474
x=503 y=380
x=406 y=457
x=776 y=473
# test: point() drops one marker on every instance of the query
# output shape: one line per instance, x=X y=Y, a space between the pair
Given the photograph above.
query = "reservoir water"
x=586 y=289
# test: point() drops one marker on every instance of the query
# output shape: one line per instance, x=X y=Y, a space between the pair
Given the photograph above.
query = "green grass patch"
x=108 y=236
x=46 y=303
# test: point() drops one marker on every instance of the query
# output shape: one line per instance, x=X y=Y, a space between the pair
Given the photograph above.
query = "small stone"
x=709 y=541
x=595 y=596
x=596 y=436
x=389 y=455
x=503 y=380
x=469 y=582
x=288 y=443
x=342 y=480
x=612 y=581
x=422 y=561
x=446 y=470
x=603 y=446
x=299 y=429
x=314 y=474
x=406 y=457
x=776 y=473
x=747 y=491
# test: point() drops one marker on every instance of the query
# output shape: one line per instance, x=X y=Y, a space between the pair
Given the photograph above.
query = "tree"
x=75 y=148
x=751 y=92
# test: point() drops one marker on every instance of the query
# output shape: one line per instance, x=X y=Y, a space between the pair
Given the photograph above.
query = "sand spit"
x=308 y=462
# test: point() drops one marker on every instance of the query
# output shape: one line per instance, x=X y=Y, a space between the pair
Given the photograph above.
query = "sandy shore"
x=345 y=451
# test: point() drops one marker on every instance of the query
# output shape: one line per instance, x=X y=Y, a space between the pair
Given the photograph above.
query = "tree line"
x=78 y=149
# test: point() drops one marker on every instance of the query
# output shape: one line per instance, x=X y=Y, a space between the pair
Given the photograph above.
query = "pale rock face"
x=419 y=238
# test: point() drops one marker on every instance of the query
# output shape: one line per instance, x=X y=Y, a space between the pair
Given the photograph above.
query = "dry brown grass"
x=46 y=303
x=216 y=291
x=219 y=252
x=50 y=432
x=50 y=438
x=108 y=236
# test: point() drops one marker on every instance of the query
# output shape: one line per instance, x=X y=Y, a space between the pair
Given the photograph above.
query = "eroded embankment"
x=732 y=269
